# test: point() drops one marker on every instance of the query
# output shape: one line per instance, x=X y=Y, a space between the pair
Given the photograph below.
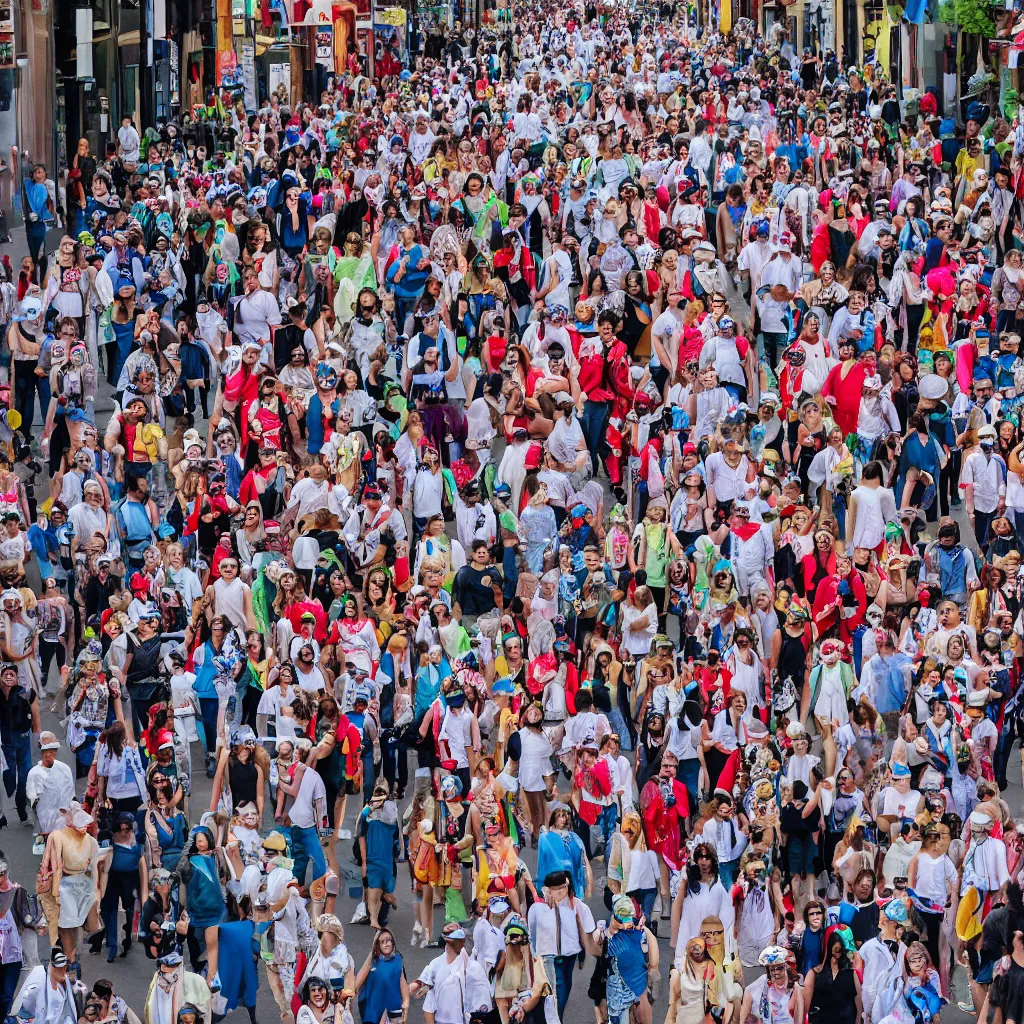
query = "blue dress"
x=561 y=852
x=235 y=964
x=383 y=988
x=205 y=900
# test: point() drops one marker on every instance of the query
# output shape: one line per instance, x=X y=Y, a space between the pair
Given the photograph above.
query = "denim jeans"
x=208 y=707
x=305 y=848
x=35 y=232
x=645 y=897
x=559 y=970
x=981 y=525
x=17 y=748
x=606 y=823
x=9 y=974
x=595 y=418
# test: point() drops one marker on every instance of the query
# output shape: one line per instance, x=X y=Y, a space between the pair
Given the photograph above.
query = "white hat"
x=191 y=439
x=932 y=386
x=987 y=431
x=47 y=741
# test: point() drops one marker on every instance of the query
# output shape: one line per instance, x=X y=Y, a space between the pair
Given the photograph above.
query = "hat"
x=562 y=398
x=981 y=819
x=191 y=439
x=59 y=960
x=329 y=924
x=933 y=387
x=275 y=841
x=987 y=431
x=976 y=698
x=47 y=741
x=900 y=771
x=896 y=911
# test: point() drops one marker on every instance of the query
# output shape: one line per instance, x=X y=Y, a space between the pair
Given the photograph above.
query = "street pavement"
x=132 y=975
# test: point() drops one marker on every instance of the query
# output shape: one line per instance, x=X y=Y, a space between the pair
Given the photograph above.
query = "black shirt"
x=16 y=712
x=472 y=589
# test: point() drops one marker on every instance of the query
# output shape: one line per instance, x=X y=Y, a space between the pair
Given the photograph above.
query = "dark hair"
x=872 y=471
x=799 y=790
x=114 y=738
x=693 y=869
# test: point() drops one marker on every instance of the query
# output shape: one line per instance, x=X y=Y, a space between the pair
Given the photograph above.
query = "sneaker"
x=417 y=933
x=38 y=846
x=344 y=834
x=967 y=1006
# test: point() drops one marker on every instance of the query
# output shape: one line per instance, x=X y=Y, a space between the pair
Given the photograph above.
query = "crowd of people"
x=584 y=464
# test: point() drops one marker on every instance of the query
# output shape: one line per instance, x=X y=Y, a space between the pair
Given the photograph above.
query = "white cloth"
x=50 y=791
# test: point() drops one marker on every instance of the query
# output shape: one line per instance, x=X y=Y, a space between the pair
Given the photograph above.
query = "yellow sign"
x=391 y=16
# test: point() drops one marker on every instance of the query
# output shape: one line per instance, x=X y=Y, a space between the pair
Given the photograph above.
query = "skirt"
x=77 y=898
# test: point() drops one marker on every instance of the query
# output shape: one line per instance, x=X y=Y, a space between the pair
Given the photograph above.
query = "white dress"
x=756 y=926
x=831 y=703
x=535 y=761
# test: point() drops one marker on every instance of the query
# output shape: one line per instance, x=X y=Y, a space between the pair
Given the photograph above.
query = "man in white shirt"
x=665 y=334
x=557 y=927
x=253 y=315
x=700 y=148
x=488 y=939
x=724 y=833
x=421 y=140
x=784 y=268
x=556 y=276
x=454 y=986
x=566 y=442
x=50 y=786
x=983 y=481
x=460 y=732
x=308 y=808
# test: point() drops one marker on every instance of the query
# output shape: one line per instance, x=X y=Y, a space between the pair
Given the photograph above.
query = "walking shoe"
x=38 y=846
x=344 y=834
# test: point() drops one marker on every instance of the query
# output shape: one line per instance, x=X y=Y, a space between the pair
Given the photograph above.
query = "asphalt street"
x=132 y=975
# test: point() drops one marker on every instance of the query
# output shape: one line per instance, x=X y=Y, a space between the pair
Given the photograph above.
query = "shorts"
x=800 y=854
x=377 y=878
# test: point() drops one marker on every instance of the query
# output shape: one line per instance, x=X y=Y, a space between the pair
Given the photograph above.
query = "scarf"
x=168 y=995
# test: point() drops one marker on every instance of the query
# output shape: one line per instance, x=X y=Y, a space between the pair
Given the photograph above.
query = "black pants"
x=196 y=942
x=250 y=702
x=122 y=887
x=949 y=481
x=933 y=925
x=48 y=650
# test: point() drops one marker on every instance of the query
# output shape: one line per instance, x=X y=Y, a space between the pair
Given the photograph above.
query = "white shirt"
x=638 y=642
x=456 y=989
x=270 y=705
x=457 y=730
x=311 y=790
x=254 y=315
x=753 y=258
x=309 y=496
x=727 y=838
x=988 y=474
x=54 y=789
x=783 y=271
x=427 y=491
x=128 y=136
x=543 y=932
x=559 y=295
x=564 y=439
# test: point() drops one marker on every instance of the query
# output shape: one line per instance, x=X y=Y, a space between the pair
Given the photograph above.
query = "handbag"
x=44 y=881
